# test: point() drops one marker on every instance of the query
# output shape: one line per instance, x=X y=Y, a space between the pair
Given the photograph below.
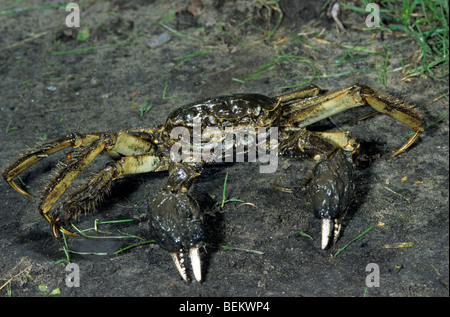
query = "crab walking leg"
x=86 y=197
x=194 y=255
x=124 y=144
x=68 y=173
x=321 y=107
x=307 y=92
x=396 y=109
x=64 y=178
x=33 y=156
x=81 y=159
x=340 y=140
x=321 y=145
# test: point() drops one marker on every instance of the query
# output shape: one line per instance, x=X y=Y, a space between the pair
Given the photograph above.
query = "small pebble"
x=161 y=39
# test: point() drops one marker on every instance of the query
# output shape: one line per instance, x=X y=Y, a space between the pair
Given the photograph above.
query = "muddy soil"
x=136 y=55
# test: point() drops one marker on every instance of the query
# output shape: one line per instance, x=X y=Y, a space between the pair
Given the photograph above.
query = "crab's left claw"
x=177 y=221
x=331 y=192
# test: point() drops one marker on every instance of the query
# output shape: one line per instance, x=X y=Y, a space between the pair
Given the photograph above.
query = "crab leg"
x=125 y=144
x=321 y=107
x=307 y=92
x=194 y=256
x=67 y=175
x=32 y=157
x=321 y=145
x=116 y=144
x=86 y=196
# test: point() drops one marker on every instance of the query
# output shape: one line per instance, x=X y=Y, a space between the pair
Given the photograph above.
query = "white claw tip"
x=194 y=255
x=327 y=232
x=196 y=263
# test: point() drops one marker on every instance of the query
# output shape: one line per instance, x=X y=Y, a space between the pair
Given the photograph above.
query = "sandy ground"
x=129 y=62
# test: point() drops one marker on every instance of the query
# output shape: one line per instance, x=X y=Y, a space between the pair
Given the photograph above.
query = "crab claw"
x=194 y=256
x=330 y=231
x=177 y=224
x=331 y=191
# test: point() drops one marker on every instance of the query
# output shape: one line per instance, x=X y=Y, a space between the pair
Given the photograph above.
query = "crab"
x=176 y=219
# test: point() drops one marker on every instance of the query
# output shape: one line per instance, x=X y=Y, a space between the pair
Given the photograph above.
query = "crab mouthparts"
x=194 y=256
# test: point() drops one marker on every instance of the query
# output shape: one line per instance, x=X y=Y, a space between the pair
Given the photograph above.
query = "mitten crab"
x=175 y=216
